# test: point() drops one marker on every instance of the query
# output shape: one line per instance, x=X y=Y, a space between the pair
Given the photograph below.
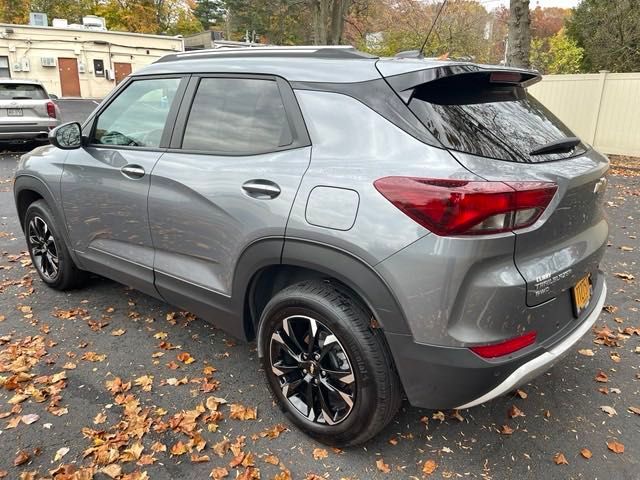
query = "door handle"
x=262 y=189
x=132 y=171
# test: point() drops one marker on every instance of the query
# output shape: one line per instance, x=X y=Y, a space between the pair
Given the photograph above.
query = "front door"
x=105 y=185
x=69 y=80
x=121 y=70
x=230 y=181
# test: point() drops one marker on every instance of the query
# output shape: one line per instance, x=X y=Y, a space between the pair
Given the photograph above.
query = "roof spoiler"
x=405 y=83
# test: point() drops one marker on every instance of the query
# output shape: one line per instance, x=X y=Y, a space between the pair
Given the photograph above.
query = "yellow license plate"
x=582 y=294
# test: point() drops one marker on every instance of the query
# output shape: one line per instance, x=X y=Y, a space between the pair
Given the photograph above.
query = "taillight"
x=463 y=207
x=51 y=109
x=505 y=348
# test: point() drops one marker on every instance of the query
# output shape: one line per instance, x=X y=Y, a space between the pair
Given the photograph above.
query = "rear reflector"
x=51 y=109
x=462 y=207
x=506 y=347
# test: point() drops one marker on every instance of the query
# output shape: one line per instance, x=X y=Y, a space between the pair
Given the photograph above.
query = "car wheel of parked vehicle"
x=328 y=367
x=48 y=252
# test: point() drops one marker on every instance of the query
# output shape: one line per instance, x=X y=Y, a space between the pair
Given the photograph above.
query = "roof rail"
x=313 y=51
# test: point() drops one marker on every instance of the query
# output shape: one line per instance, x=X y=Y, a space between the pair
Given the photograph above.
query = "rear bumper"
x=451 y=377
x=18 y=132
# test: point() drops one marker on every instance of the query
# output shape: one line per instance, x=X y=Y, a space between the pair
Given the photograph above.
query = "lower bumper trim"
x=543 y=362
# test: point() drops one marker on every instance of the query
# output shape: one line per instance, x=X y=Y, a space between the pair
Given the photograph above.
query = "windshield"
x=21 y=91
x=470 y=114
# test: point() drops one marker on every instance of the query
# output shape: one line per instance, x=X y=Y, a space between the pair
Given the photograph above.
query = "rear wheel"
x=330 y=372
x=48 y=252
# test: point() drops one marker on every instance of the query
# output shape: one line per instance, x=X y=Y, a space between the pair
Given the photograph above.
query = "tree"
x=14 y=11
x=519 y=41
x=558 y=54
x=209 y=12
x=609 y=33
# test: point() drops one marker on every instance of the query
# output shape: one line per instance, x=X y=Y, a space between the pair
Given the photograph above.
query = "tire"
x=366 y=379
x=54 y=266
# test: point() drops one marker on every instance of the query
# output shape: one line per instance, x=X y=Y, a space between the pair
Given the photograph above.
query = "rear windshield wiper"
x=557 y=146
x=21 y=98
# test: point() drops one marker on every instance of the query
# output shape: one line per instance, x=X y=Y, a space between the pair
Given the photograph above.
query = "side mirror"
x=53 y=96
x=67 y=136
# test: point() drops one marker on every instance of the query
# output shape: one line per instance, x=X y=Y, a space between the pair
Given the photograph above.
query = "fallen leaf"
x=195 y=458
x=99 y=418
x=272 y=459
x=145 y=381
x=615 y=447
x=22 y=458
x=624 y=275
x=615 y=357
x=521 y=393
x=185 y=358
x=429 y=467
x=635 y=410
x=586 y=453
x=319 y=453
x=119 y=332
x=587 y=352
x=179 y=449
x=560 y=459
x=602 y=377
x=112 y=471
x=218 y=473
x=30 y=418
x=60 y=453
x=608 y=410
x=213 y=403
x=506 y=430
x=515 y=412
x=383 y=467
x=240 y=412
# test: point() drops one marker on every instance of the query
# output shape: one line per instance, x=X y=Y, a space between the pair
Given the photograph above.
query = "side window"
x=136 y=117
x=237 y=116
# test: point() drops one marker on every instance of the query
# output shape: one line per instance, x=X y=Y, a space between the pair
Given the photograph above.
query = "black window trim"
x=299 y=134
x=91 y=122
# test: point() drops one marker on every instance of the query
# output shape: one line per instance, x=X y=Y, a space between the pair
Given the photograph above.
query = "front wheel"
x=330 y=371
x=48 y=252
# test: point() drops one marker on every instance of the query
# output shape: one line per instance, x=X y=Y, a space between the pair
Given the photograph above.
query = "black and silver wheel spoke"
x=313 y=370
x=43 y=248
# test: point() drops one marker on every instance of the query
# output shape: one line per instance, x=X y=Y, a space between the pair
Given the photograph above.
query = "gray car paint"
x=201 y=219
x=106 y=213
x=432 y=295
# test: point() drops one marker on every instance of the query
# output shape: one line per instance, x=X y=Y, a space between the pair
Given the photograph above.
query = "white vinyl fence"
x=603 y=108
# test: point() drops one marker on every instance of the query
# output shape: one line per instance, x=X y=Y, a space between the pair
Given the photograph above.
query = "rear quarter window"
x=470 y=114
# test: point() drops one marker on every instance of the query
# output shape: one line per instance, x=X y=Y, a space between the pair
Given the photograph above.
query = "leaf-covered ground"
x=105 y=382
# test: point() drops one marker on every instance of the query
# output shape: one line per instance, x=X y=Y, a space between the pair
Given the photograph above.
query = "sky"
x=533 y=3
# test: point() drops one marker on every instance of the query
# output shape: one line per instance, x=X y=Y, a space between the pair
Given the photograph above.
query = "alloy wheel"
x=43 y=248
x=313 y=369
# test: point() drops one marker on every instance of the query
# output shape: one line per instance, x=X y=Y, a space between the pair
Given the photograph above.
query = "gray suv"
x=381 y=226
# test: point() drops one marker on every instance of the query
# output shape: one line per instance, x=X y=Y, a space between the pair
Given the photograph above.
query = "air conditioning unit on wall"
x=48 y=61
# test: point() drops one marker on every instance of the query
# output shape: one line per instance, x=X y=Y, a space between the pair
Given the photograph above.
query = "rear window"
x=21 y=91
x=470 y=114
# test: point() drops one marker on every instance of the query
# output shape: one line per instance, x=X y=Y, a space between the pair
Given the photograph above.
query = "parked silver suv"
x=379 y=226
x=27 y=112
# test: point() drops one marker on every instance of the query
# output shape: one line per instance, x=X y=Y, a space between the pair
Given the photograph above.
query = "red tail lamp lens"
x=506 y=347
x=462 y=207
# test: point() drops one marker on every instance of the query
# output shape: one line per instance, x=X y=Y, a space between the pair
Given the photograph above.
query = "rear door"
x=23 y=105
x=494 y=128
x=105 y=185
x=237 y=156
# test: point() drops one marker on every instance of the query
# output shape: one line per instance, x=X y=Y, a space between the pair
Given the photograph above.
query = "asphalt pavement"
x=175 y=362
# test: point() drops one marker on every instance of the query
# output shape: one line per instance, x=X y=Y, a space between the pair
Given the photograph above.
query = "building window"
x=98 y=68
x=4 y=68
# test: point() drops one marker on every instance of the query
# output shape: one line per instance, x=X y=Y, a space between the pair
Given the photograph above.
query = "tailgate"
x=569 y=239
